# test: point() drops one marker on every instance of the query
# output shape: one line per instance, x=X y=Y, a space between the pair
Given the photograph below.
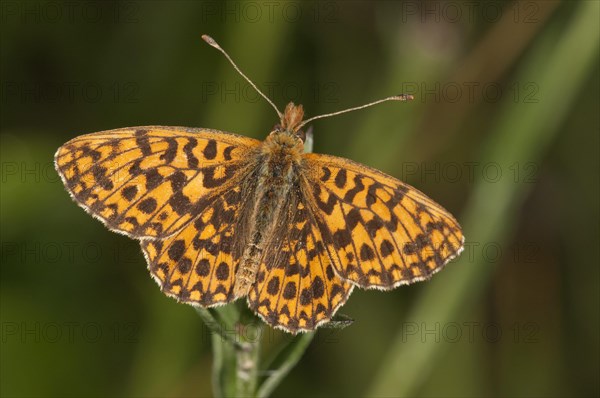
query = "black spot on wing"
x=135 y=168
x=326 y=174
x=386 y=248
x=358 y=187
x=318 y=287
x=101 y=178
x=210 y=151
x=184 y=265
x=87 y=151
x=222 y=271
x=227 y=152
x=203 y=267
x=342 y=238
x=273 y=286
x=171 y=151
x=178 y=180
x=176 y=250
x=180 y=203
x=328 y=206
x=141 y=139
x=340 y=178
x=372 y=194
x=153 y=179
x=192 y=160
x=129 y=192
x=148 y=205
x=366 y=253
x=353 y=218
x=289 y=292
x=373 y=226
x=210 y=180
x=305 y=296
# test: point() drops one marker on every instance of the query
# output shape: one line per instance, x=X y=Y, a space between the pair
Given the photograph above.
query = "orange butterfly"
x=222 y=216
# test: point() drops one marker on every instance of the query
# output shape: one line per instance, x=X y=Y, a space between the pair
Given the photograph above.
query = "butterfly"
x=221 y=216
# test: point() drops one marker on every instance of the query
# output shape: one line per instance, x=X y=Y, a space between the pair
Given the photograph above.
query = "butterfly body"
x=278 y=162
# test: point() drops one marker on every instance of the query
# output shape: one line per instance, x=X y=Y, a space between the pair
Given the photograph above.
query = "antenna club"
x=404 y=97
x=210 y=41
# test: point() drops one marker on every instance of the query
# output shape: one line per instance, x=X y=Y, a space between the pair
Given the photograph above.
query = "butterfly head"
x=287 y=134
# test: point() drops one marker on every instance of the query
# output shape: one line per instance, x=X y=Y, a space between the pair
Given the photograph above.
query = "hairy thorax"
x=280 y=161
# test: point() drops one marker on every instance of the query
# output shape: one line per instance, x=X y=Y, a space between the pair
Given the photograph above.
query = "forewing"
x=296 y=287
x=383 y=232
x=151 y=181
x=197 y=264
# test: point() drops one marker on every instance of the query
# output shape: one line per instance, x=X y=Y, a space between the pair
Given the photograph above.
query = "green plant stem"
x=249 y=329
x=225 y=348
x=247 y=360
x=223 y=367
x=235 y=351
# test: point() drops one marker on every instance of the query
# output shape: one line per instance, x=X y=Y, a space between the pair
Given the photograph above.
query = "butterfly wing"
x=382 y=232
x=296 y=287
x=197 y=264
x=151 y=181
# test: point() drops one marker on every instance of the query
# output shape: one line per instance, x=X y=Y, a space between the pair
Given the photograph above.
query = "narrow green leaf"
x=287 y=358
x=522 y=135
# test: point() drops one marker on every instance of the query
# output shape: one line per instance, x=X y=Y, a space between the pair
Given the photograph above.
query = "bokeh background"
x=503 y=131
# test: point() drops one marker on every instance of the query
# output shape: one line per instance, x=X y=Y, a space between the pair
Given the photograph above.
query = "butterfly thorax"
x=280 y=161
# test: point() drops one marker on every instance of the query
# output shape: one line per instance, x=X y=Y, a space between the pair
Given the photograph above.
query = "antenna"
x=400 y=97
x=213 y=43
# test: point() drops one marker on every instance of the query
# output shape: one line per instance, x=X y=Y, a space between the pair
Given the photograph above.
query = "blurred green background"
x=503 y=132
